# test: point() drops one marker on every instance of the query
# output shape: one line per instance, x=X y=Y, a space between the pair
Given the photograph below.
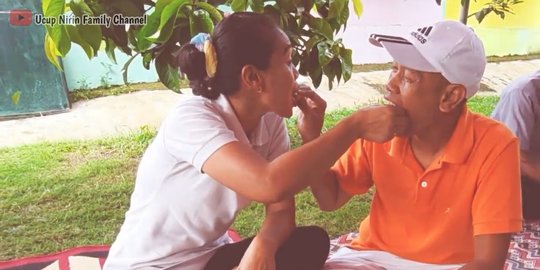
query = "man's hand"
x=311 y=117
x=381 y=123
x=258 y=256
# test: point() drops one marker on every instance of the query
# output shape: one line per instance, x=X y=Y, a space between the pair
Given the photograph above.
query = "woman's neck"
x=247 y=111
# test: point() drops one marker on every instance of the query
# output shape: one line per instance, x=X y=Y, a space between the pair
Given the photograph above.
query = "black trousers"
x=306 y=249
x=530 y=193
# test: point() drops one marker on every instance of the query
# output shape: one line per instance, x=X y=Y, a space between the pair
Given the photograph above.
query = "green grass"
x=55 y=196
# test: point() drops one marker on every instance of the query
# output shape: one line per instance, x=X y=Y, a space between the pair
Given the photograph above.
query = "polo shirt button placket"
x=424 y=184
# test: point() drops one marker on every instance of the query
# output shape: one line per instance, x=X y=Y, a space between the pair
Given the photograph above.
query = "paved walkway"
x=113 y=115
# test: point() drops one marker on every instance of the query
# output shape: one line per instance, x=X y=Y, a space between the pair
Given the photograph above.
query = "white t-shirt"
x=178 y=216
x=519 y=110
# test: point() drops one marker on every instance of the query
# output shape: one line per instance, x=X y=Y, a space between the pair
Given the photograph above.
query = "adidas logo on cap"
x=422 y=34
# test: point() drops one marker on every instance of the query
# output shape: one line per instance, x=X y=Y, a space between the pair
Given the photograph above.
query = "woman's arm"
x=277 y=227
x=240 y=168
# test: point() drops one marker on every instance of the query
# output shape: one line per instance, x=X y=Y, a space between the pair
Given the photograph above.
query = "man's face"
x=419 y=93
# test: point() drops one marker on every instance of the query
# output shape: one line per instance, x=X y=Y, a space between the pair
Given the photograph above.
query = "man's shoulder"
x=522 y=86
x=491 y=131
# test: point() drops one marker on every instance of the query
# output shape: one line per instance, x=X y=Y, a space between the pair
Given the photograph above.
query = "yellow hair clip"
x=210 y=59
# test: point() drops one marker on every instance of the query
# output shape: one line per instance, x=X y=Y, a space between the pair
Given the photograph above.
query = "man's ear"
x=251 y=77
x=453 y=96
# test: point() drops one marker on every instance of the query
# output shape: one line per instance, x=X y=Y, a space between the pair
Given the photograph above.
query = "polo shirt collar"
x=260 y=135
x=458 y=148
x=460 y=145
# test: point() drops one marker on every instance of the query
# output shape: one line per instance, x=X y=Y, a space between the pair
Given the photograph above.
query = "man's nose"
x=393 y=83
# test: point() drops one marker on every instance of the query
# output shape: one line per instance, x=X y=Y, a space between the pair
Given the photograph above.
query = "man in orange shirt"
x=447 y=195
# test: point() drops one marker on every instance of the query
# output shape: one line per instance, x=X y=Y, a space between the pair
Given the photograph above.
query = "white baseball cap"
x=448 y=47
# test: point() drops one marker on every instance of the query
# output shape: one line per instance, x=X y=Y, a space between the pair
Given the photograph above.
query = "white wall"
x=384 y=17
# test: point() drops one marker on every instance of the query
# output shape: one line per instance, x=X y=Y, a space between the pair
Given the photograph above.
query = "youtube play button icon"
x=20 y=17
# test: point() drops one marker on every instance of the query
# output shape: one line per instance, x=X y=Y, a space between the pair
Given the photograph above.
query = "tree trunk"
x=464 y=11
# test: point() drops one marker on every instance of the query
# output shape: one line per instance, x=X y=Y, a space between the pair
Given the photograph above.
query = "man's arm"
x=328 y=193
x=530 y=165
x=490 y=252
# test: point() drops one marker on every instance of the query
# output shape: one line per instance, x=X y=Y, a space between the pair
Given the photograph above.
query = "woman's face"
x=279 y=79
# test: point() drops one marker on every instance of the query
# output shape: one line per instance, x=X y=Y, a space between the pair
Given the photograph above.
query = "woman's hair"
x=243 y=38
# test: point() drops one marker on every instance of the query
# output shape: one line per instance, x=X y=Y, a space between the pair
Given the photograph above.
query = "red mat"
x=79 y=258
x=524 y=254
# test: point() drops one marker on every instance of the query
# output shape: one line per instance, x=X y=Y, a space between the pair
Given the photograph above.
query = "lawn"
x=59 y=195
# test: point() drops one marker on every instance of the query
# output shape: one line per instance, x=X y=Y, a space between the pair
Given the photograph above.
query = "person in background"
x=519 y=109
x=447 y=195
x=227 y=146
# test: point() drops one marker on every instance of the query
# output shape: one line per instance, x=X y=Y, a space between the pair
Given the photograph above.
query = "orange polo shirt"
x=432 y=215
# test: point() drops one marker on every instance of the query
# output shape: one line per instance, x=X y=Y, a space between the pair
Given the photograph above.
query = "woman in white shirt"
x=228 y=146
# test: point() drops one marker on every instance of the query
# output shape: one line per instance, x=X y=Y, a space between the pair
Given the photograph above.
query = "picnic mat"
x=523 y=254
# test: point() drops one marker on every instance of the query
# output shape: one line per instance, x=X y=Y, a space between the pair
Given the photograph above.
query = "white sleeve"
x=194 y=131
x=279 y=142
x=515 y=110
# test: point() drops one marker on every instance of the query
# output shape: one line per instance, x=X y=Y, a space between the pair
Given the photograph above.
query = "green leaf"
x=53 y=8
x=358 y=8
x=325 y=55
x=480 y=15
x=256 y=5
x=76 y=37
x=51 y=52
x=15 y=97
x=167 y=75
x=332 y=71
x=170 y=12
x=151 y=26
x=346 y=63
x=45 y=5
x=109 y=49
x=336 y=8
x=313 y=68
x=215 y=14
x=147 y=58
x=126 y=7
x=168 y=19
x=90 y=33
x=312 y=41
x=316 y=75
x=286 y=5
x=60 y=37
x=239 y=5
x=200 y=21
x=126 y=66
x=322 y=27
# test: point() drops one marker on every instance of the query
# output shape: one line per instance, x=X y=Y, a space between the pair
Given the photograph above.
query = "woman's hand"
x=258 y=256
x=380 y=123
x=311 y=117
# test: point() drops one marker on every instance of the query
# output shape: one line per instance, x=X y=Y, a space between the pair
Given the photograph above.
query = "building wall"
x=82 y=73
x=385 y=16
x=518 y=33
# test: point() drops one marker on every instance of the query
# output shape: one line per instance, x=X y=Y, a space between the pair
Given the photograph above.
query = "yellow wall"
x=518 y=33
